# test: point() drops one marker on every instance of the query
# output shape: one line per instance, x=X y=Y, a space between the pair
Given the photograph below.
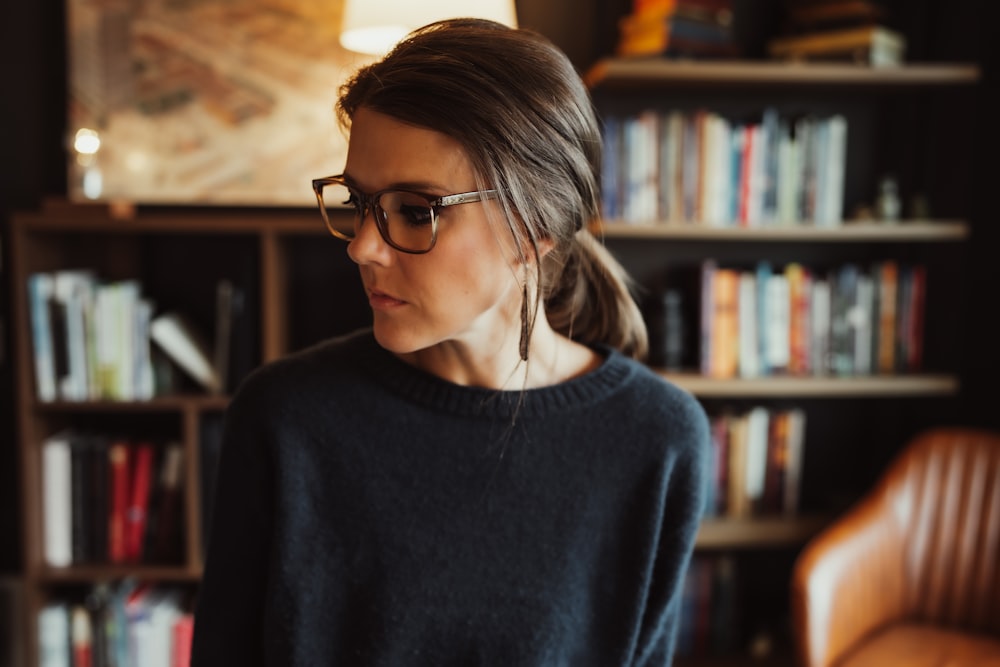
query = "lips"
x=382 y=301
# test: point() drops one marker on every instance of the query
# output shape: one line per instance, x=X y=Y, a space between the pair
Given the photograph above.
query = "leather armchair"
x=910 y=575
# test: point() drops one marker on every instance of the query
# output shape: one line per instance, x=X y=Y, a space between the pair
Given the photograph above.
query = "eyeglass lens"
x=404 y=217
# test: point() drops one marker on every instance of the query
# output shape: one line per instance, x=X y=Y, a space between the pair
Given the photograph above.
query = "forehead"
x=384 y=152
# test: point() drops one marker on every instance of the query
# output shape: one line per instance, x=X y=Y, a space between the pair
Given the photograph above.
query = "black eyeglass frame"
x=371 y=203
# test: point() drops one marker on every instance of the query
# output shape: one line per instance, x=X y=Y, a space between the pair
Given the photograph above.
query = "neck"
x=552 y=358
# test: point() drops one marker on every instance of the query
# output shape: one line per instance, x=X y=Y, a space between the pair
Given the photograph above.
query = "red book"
x=181 y=650
x=118 y=481
x=82 y=638
x=138 y=503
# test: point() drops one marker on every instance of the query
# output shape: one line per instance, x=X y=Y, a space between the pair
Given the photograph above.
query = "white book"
x=187 y=347
x=758 y=422
x=721 y=173
x=833 y=210
x=57 y=503
x=151 y=617
x=749 y=351
x=40 y=287
x=54 y=636
x=778 y=321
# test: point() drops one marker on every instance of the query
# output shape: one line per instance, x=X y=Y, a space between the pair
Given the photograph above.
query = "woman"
x=486 y=476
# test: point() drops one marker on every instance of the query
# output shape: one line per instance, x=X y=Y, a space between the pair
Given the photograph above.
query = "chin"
x=397 y=341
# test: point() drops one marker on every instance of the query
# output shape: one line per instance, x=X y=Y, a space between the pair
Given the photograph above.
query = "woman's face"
x=464 y=290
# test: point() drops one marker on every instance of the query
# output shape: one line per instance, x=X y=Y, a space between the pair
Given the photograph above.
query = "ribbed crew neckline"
x=435 y=393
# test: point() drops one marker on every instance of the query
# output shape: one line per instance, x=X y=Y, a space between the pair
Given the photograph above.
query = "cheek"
x=473 y=281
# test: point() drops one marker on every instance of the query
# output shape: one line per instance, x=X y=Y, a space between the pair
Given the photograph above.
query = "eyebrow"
x=421 y=187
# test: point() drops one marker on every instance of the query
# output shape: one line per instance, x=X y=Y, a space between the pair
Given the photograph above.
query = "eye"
x=415 y=215
x=352 y=200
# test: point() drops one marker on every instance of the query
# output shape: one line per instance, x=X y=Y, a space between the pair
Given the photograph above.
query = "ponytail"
x=589 y=299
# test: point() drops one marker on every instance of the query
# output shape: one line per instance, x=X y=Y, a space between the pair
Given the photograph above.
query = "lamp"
x=374 y=26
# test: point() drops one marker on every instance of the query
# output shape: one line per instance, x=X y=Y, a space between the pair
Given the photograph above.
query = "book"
x=187 y=346
x=57 y=500
x=141 y=474
x=72 y=294
x=871 y=45
x=795 y=433
x=118 y=499
x=54 y=649
x=887 y=276
x=799 y=318
x=819 y=315
x=748 y=356
x=724 y=340
x=757 y=427
x=82 y=637
x=40 y=288
x=814 y=16
x=777 y=320
x=163 y=534
x=183 y=633
x=772 y=501
x=738 y=502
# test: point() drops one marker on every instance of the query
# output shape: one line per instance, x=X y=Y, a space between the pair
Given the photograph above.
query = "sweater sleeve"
x=229 y=610
x=684 y=499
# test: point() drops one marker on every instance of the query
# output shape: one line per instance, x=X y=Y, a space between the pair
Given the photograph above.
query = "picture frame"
x=227 y=102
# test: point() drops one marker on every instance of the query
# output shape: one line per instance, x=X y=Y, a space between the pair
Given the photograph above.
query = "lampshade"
x=374 y=26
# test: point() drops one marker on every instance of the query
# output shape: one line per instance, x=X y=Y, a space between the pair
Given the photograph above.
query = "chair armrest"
x=848 y=581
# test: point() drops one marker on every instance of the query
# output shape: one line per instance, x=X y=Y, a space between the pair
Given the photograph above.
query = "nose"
x=368 y=246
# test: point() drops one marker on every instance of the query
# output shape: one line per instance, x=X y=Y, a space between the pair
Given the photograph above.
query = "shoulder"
x=309 y=373
x=660 y=403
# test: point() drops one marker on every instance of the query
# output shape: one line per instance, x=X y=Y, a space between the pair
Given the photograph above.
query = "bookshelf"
x=178 y=256
x=854 y=422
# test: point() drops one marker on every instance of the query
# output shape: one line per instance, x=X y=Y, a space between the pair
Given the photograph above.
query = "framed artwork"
x=227 y=102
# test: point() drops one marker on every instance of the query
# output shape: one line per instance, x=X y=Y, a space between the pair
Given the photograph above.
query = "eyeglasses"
x=408 y=221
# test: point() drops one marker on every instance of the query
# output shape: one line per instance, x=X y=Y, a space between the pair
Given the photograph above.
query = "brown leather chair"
x=909 y=576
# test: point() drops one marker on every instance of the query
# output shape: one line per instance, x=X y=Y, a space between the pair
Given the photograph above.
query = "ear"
x=545 y=246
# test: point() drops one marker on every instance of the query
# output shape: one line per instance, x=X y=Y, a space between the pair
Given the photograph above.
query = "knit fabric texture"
x=369 y=513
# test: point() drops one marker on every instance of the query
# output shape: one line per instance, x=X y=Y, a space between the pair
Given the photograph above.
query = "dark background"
x=32 y=168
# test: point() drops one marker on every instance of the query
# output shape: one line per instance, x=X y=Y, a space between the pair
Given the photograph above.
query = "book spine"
x=57 y=501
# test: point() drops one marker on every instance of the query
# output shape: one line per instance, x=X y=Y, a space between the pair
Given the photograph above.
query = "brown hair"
x=517 y=106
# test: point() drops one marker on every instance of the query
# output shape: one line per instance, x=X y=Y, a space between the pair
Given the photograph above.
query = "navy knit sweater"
x=368 y=513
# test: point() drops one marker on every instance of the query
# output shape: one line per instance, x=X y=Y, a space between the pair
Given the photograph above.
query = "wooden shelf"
x=908 y=231
x=178 y=403
x=815 y=387
x=642 y=73
x=758 y=532
x=85 y=574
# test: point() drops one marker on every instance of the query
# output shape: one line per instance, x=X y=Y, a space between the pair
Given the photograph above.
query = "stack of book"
x=850 y=30
x=757 y=463
x=689 y=28
x=121 y=624
x=108 y=500
x=701 y=167
x=94 y=339
x=847 y=321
